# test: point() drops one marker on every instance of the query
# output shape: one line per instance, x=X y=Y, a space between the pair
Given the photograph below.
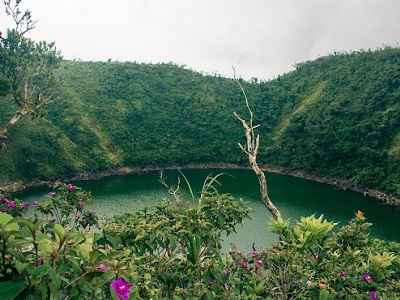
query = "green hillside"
x=338 y=116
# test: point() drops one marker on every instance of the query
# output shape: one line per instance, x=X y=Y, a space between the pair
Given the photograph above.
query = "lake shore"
x=17 y=186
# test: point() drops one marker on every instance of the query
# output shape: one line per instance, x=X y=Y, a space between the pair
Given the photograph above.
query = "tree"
x=253 y=143
x=26 y=68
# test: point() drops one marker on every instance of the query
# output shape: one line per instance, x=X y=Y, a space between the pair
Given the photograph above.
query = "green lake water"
x=294 y=198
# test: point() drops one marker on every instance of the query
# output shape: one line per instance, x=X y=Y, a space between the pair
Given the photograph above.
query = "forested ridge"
x=338 y=116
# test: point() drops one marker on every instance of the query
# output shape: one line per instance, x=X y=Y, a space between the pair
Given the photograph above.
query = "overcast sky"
x=267 y=36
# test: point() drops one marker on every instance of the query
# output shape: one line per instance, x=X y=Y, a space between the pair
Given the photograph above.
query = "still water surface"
x=294 y=198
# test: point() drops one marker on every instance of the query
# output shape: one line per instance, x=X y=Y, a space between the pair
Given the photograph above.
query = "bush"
x=172 y=251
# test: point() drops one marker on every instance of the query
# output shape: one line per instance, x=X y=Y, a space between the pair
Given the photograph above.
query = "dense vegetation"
x=338 y=116
x=172 y=251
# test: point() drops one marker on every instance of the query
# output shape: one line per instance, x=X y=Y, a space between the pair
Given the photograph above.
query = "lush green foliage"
x=336 y=116
x=173 y=252
x=27 y=78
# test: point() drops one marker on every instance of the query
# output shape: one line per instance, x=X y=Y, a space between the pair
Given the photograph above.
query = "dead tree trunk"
x=251 y=150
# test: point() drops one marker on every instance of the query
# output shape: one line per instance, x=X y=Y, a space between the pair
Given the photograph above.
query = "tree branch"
x=253 y=144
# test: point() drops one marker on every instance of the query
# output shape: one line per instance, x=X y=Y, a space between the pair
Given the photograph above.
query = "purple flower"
x=315 y=255
x=373 y=295
x=78 y=217
x=103 y=267
x=12 y=204
x=343 y=274
x=71 y=187
x=52 y=194
x=225 y=271
x=121 y=287
x=308 y=282
x=4 y=209
x=35 y=203
x=80 y=203
x=245 y=265
x=212 y=281
x=367 y=277
x=93 y=213
x=254 y=253
x=26 y=204
x=53 y=220
x=259 y=263
x=6 y=200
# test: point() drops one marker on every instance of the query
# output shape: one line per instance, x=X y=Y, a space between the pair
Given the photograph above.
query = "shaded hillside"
x=338 y=115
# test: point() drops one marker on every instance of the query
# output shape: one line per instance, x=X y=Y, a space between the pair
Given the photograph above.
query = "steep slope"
x=350 y=126
x=338 y=115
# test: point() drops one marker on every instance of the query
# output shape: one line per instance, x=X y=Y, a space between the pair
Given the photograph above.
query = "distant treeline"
x=337 y=116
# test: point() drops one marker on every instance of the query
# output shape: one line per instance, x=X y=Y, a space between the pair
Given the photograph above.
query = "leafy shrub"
x=173 y=251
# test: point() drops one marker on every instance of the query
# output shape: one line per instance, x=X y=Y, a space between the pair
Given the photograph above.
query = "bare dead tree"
x=253 y=143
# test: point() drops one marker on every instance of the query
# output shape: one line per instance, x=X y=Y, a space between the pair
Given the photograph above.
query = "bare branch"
x=253 y=144
x=171 y=190
x=23 y=21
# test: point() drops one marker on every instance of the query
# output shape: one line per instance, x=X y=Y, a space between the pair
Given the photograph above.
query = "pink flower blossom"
x=254 y=253
x=212 y=281
x=225 y=271
x=308 y=282
x=121 y=287
x=259 y=263
x=53 y=220
x=12 y=204
x=4 y=209
x=373 y=295
x=103 y=267
x=93 y=213
x=245 y=265
x=35 y=203
x=26 y=204
x=78 y=217
x=315 y=255
x=52 y=194
x=71 y=187
x=80 y=203
x=6 y=200
x=367 y=277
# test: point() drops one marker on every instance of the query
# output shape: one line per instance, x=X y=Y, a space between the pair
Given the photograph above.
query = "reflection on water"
x=294 y=198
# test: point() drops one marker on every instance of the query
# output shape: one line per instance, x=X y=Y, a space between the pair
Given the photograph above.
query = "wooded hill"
x=337 y=116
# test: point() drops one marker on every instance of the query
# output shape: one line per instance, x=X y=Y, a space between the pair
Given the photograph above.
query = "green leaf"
x=59 y=231
x=323 y=295
x=5 y=218
x=114 y=240
x=74 y=263
x=39 y=224
x=24 y=222
x=11 y=289
x=20 y=266
x=221 y=220
x=40 y=271
x=55 y=279
x=5 y=221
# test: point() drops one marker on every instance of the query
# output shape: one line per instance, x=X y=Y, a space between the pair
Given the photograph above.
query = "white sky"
x=268 y=36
